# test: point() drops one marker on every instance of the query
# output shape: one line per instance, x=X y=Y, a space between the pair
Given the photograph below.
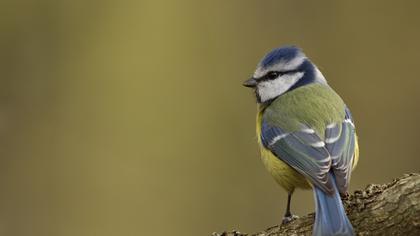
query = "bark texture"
x=387 y=209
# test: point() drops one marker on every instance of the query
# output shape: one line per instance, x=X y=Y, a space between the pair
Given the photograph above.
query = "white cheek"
x=273 y=88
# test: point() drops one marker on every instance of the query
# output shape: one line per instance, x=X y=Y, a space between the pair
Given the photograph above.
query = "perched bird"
x=306 y=135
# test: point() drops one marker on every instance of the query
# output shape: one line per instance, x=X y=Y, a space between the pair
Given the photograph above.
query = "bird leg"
x=288 y=217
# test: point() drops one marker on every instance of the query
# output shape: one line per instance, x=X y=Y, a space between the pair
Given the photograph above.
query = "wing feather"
x=302 y=151
x=341 y=150
x=312 y=156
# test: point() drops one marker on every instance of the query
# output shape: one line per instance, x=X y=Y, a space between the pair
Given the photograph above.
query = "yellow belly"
x=284 y=175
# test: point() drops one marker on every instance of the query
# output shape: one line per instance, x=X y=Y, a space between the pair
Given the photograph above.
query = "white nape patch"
x=319 y=77
x=277 y=138
x=273 y=88
x=281 y=65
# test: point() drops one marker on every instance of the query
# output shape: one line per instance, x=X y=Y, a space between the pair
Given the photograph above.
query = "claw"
x=345 y=196
x=288 y=219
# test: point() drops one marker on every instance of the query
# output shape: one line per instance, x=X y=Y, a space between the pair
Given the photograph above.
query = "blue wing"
x=303 y=150
x=340 y=143
x=312 y=156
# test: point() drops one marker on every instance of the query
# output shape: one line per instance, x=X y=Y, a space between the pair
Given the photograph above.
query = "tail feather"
x=330 y=218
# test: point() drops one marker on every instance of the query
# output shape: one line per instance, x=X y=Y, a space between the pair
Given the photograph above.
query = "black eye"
x=272 y=74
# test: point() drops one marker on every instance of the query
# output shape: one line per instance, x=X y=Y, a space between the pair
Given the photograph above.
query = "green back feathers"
x=314 y=105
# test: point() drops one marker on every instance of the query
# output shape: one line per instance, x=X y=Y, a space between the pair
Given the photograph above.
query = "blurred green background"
x=129 y=118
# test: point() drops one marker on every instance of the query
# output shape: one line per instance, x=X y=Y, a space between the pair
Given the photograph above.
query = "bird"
x=306 y=135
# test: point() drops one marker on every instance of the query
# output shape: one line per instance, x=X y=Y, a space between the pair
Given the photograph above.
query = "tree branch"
x=387 y=209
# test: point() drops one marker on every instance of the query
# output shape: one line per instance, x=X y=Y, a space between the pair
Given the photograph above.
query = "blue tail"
x=330 y=216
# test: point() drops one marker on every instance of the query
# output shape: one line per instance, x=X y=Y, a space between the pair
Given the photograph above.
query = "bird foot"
x=288 y=219
x=345 y=196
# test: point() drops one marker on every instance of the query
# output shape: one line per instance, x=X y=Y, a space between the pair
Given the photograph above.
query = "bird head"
x=282 y=70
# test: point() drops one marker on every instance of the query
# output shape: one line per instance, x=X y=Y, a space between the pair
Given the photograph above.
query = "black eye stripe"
x=271 y=75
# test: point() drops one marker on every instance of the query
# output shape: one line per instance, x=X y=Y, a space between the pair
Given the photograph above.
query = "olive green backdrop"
x=129 y=118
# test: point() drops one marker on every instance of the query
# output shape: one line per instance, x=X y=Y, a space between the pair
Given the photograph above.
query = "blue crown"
x=284 y=53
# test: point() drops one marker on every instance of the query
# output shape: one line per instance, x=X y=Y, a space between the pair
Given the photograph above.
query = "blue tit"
x=306 y=135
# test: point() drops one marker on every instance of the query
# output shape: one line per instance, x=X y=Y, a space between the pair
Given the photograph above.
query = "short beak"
x=251 y=83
